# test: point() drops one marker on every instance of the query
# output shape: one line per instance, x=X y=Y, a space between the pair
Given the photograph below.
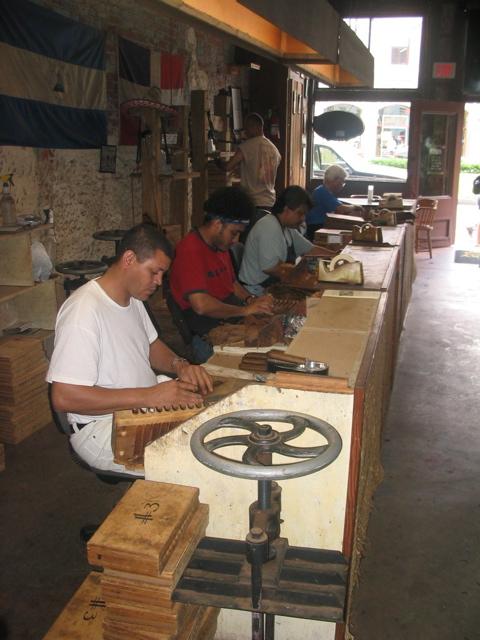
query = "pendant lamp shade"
x=338 y=125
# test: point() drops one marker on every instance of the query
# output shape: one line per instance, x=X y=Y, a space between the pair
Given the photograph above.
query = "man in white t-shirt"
x=258 y=159
x=106 y=348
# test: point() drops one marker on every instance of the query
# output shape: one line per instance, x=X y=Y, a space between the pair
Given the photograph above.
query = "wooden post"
x=199 y=148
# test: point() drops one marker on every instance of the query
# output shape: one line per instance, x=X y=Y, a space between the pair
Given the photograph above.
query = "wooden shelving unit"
x=16 y=254
x=21 y=299
x=165 y=195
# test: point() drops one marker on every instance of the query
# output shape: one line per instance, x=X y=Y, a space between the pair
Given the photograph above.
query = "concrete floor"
x=420 y=578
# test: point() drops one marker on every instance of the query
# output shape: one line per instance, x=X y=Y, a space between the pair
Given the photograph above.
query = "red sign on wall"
x=444 y=70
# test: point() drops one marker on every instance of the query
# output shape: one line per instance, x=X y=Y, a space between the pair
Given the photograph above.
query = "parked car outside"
x=327 y=153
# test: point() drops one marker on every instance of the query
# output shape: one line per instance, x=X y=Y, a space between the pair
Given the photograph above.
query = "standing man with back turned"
x=258 y=159
x=106 y=350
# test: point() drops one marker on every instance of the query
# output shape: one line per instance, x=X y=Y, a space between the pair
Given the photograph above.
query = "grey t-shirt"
x=266 y=246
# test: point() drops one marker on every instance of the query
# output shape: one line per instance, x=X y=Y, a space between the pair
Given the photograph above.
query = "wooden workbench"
x=356 y=331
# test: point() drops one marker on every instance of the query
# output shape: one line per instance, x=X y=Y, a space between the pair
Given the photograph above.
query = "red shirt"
x=200 y=268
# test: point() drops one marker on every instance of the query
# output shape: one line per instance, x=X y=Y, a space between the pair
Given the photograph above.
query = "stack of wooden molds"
x=24 y=406
x=144 y=547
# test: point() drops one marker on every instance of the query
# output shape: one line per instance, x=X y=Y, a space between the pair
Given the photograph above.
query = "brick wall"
x=83 y=199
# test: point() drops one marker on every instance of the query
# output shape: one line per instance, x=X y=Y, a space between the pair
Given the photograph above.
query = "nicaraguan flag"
x=53 y=90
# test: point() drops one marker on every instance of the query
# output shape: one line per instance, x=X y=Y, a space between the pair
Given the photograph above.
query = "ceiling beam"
x=292 y=33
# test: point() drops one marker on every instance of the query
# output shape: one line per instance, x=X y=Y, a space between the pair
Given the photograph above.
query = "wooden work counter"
x=356 y=330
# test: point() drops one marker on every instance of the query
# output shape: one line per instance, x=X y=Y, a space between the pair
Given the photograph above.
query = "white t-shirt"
x=259 y=169
x=100 y=343
x=267 y=245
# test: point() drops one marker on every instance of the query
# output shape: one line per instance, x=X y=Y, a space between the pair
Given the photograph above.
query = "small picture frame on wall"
x=108 y=158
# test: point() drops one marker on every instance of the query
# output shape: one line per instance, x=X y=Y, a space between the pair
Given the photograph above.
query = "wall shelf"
x=35 y=305
x=16 y=255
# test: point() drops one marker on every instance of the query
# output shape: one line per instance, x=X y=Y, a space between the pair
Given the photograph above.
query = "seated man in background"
x=274 y=243
x=325 y=200
x=106 y=348
x=202 y=279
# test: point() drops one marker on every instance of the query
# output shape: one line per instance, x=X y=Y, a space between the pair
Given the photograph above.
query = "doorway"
x=467 y=233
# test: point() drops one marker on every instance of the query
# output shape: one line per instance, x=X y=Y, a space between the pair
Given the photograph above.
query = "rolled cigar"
x=281 y=356
x=252 y=367
x=254 y=358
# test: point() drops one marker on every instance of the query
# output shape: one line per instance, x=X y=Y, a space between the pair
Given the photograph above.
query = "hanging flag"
x=134 y=82
x=172 y=78
x=140 y=70
x=53 y=90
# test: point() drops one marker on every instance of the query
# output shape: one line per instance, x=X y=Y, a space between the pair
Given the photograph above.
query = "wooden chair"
x=425 y=212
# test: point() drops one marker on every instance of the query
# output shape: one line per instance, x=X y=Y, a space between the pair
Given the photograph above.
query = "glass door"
x=434 y=161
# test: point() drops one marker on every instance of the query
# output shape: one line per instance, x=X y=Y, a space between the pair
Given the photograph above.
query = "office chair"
x=109 y=477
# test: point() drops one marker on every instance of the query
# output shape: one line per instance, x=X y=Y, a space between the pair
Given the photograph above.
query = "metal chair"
x=425 y=212
x=109 y=477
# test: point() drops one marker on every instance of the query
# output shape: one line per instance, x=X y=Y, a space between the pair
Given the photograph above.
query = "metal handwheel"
x=262 y=441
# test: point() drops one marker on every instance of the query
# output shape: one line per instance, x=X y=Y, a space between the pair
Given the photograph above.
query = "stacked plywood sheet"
x=82 y=618
x=24 y=405
x=143 y=547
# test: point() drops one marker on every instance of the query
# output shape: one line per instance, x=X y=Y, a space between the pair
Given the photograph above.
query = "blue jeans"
x=201 y=349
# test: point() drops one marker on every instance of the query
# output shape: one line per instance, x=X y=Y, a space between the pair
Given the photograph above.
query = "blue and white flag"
x=53 y=88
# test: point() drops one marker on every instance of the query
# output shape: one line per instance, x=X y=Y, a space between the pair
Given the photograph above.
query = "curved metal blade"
x=299 y=426
x=238 y=423
x=298 y=452
x=227 y=441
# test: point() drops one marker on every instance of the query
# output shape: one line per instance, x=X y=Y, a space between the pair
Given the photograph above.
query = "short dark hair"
x=230 y=204
x=144 y=240
x=255 y=118
x=292 y=197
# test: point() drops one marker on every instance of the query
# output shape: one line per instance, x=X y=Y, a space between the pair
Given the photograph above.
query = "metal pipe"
x=257 y=625
x=269 y=626
x=264 y=494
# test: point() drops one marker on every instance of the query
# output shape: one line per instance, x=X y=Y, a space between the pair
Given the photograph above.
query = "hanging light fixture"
x=338 y=125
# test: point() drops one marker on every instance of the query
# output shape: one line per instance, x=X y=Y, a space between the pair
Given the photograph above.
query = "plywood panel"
x=139 y=533
x=82 y=618
x=342 y=310
x=341 y=350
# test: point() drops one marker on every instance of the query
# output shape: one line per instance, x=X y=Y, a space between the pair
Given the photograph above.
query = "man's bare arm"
x=349 y=210
x=206 y=305
x=94 y=400
x=234 y=161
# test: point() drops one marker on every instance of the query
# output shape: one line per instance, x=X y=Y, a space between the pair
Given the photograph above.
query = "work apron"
x=290 y=259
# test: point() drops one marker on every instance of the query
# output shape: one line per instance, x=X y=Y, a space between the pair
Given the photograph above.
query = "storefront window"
x=379 y=154
x=395 y=44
